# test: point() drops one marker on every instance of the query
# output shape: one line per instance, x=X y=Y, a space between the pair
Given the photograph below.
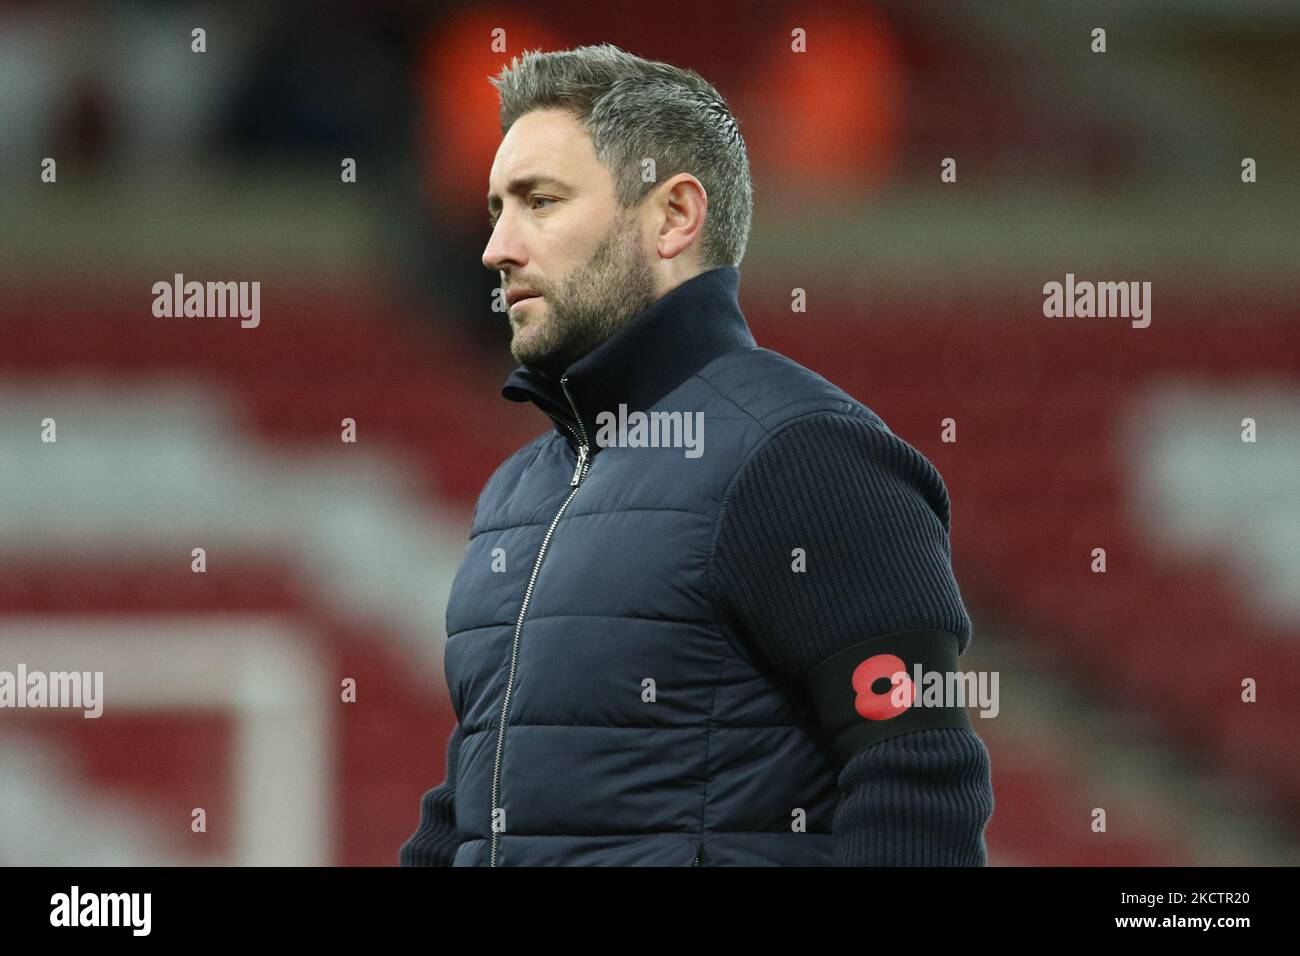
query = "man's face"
x=560 y=234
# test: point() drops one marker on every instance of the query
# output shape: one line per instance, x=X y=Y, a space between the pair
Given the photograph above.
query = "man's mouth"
x=518 y=293
x=521 y=305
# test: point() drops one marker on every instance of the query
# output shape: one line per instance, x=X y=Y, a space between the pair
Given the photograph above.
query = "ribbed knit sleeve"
x=434 y=842
x=869 y=516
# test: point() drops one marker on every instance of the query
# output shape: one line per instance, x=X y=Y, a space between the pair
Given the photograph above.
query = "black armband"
x=870 y=692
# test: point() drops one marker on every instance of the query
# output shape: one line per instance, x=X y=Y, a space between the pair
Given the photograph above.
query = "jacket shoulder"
x=774 y=389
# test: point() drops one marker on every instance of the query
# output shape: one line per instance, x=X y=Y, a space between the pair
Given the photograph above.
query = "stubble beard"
x=590 y=304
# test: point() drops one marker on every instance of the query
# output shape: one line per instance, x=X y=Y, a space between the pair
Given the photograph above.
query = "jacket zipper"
x=579 y=473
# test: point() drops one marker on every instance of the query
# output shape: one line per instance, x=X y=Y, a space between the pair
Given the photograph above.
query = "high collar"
x=659 y=348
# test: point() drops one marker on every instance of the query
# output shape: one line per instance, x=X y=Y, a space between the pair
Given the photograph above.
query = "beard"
x=590 y=304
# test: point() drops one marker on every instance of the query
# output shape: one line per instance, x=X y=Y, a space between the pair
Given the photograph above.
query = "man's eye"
x=492 y=223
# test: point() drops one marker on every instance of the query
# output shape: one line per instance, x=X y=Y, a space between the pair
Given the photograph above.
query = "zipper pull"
x=582 y=461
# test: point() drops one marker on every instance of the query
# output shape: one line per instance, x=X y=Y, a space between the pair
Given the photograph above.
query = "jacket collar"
x=659 y=348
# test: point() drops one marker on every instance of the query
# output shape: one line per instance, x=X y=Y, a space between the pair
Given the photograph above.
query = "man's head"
x=617 y=179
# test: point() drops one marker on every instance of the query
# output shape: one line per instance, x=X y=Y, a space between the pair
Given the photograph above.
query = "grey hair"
x=634 y=109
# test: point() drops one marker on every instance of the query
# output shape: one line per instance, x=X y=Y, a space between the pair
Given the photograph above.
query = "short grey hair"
x=635 y=109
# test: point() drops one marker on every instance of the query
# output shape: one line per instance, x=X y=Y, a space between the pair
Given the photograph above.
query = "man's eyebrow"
x=521 y=185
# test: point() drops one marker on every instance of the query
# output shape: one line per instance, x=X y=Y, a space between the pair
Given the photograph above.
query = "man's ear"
x=682 y=206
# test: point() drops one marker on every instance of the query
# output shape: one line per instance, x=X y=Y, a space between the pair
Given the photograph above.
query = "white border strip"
x=259 y=668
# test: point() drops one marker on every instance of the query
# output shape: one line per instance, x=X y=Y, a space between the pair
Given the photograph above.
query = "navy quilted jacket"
x=631 y=645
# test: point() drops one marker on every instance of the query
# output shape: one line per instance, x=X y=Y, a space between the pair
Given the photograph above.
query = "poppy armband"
x=884 y=687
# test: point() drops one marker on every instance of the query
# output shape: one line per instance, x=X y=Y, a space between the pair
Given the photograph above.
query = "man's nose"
x=503 y=247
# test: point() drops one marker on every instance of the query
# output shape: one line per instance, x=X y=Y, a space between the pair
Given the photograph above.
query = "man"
x=668 y=648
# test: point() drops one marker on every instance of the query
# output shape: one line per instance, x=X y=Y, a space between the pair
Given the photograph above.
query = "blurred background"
x=328 y=560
